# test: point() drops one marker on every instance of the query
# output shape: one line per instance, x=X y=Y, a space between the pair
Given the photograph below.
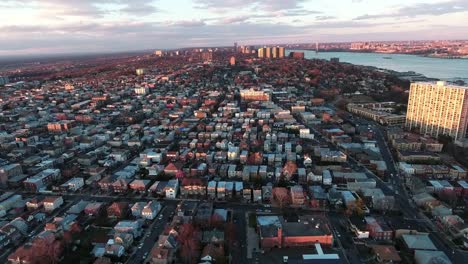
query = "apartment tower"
x=438 y=109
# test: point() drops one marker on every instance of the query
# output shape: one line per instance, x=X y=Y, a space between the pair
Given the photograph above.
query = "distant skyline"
x=80 y=26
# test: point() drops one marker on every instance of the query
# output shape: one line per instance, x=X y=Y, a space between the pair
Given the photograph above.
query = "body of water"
x=447 y=69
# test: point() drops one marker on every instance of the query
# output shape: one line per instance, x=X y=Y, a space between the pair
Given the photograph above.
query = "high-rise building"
x=140 y=71
x=271 y=52
x=158 y=53
x=4 y=80
x=207 y=56
x=235 y=46
x=438 y=109
x=261 y=52
x=232 y=61
x=274 y=52
x=267 y=52
x=281 y=52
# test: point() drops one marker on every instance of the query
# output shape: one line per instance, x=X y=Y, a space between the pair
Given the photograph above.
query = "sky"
x=80 y=26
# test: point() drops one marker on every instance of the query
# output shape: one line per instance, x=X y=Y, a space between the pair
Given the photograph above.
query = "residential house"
x=127 y=226
x=151 y=210
x=378 y=229
x=94 y=209
x=124 y=239
x=52 y=202
x=118 y=210
x=297 y=195
x=173 y=168
x=418 y=242
x=160 y=255
x=172 y=188
x=386 y=254
x=139 y=185
x=137 y=208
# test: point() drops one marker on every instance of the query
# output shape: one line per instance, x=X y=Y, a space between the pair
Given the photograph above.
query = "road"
x=402 y=198
x=151 y=236
x=394 y=187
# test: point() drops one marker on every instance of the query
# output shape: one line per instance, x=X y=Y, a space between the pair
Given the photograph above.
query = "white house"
x=151 y=210
x=73 y=184
x=52 y=202
x=172 y=189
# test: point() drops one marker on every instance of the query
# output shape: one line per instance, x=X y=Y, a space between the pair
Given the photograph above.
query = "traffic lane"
x=455 y=255
x=402 y=199
x=157 y=228
x=239 y=254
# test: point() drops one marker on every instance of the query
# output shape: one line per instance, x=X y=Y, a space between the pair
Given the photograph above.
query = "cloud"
x=297 y=12
x=130 y=35
x=322 y=18
x=186 y=23
x=116 y=25
x=86 y=8
x=95 y=37
x=139 y=8
x=434 y=9
x=264 y=16
x=235 y=19
x=267 y=5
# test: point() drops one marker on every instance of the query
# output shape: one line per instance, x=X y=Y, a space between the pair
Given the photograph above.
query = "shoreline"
x=455 y=57
x=410 y=73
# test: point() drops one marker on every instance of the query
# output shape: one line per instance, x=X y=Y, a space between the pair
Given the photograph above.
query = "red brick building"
x=274 y=231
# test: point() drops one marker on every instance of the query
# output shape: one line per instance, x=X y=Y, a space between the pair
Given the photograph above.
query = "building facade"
x=438 y=109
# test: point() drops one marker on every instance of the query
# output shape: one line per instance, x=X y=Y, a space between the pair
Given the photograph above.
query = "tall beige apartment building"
x=438 y=108
x=267 y=52
x=281 y=52
x=261 y=52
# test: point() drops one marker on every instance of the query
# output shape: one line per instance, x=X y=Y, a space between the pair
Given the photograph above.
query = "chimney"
x=280 y=236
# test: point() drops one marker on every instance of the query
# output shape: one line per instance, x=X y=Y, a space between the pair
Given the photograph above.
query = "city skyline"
x=52 y=26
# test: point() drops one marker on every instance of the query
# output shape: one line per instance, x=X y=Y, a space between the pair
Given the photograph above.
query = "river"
x=447 y=69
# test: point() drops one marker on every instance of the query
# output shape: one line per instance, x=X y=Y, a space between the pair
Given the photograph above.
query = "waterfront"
x=448 y=69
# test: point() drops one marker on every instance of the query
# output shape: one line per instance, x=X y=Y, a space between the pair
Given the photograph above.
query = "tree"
x=230 y=233
x=281 y=195
x=190 y=251
x=186 y=231
x=447 y=141
x=449 y=197
x=180 y=174
x=163 y=177
x=282 y=182
x=359 y=207
x=444 y=139
x=216 y=221
x=143 y=172
x=189 y=241
x=289 y=169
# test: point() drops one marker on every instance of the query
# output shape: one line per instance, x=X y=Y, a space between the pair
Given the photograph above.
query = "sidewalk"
x=251 y=237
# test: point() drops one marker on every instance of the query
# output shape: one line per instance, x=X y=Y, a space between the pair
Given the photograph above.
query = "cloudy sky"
x=63 y=26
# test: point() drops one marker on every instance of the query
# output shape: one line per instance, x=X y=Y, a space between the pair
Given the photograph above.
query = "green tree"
x=143 y=172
